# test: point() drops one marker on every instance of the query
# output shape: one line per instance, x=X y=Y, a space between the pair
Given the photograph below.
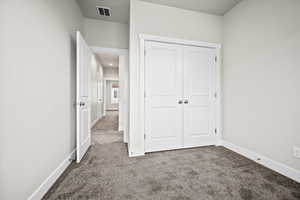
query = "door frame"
x=146 y=37
x=124 y=53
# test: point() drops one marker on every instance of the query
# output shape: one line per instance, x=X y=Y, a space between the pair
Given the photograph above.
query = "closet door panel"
x=199 y=68
x=163 y=90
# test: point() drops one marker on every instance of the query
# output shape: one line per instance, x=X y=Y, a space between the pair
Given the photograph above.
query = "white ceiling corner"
x=215 y=7
x=120 y=8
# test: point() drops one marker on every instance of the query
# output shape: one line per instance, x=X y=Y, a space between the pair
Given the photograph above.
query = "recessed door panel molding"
x=199 y=87
x=180 y=104
x=163 y=84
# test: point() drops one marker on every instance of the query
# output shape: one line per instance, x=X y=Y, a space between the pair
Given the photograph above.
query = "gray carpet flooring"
x=109 y=122
x=106 y=130
x=206 y=173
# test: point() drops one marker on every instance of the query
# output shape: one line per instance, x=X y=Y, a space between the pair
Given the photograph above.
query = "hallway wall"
x=111 y=73
x=96 y=84
x=106 y=34
x=37 y=85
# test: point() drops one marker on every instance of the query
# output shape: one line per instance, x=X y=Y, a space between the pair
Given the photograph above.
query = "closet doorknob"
x=186 y=102
x=179 y=102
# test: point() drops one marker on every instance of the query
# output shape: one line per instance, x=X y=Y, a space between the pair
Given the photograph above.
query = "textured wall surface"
x=37 y=85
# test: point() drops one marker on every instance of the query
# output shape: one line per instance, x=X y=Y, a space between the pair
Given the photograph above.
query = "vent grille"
x=103 y=11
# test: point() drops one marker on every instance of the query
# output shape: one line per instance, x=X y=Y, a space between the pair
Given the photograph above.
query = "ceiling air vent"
x=103 y=11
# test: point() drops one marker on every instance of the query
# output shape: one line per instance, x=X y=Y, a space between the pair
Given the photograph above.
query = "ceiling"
x=120 y=8
x=108 y=61
x=216 y=7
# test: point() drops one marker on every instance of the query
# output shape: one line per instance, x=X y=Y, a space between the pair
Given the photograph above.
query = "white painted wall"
x=154 y=19
x=97 y=79
x=106 y=34
x=111 y=73
x=37 y=87
x=124 y=96
x=262 y=78
x=176 y=23
x=101 y=110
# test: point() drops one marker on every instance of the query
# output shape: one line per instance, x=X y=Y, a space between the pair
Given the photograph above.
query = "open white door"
x=83 y=129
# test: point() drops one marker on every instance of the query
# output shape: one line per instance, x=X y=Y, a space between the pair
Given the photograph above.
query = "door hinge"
x=216 y=58
x=216 y=131
x=145 y=136
x=144 y=94
x=145 y=52
x=216 y=95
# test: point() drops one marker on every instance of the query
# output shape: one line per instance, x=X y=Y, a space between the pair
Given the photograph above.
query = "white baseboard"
x=267 y=162
x=47 y=184
x=136 y=155
x=95 y=121
x=83 y=148
x=132 y=154
x=120 y=128
x=125 y=137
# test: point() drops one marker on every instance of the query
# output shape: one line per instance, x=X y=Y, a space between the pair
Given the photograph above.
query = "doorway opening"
x=102 y=95
x=106 y=127
x=112 y=96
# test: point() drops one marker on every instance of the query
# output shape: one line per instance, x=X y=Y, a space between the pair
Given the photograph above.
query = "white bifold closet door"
x=179 y=96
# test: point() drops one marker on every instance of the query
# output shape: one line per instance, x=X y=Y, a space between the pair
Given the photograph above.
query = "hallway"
x=207 y=173
x=106 y=130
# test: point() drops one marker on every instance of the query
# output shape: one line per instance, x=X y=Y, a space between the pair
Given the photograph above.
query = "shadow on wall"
x=72 y=90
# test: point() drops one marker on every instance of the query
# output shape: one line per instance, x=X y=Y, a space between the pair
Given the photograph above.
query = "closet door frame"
x=218 y=89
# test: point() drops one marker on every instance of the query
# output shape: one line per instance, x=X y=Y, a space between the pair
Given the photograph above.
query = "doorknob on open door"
x=81 y=104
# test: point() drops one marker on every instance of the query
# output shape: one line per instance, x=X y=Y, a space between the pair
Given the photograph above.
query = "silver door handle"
x=186 y=101
x=81 y=104
x=180 y=102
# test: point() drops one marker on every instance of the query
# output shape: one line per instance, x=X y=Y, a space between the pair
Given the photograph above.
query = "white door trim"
x=145 y=37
